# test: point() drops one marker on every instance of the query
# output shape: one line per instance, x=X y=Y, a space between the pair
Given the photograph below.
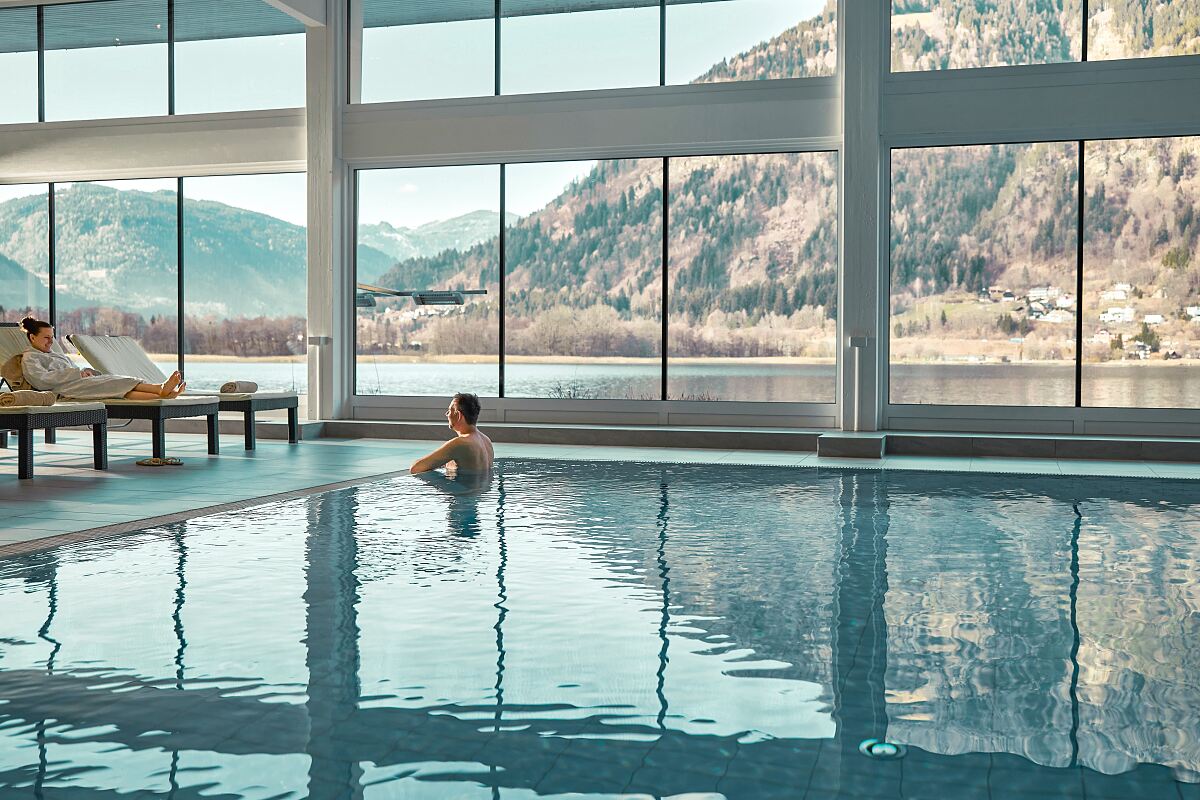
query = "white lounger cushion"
x=186 y=400
x=57 y=408
x=122 y=355
x=118 y=355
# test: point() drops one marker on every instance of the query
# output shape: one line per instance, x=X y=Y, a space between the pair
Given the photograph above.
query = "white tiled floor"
x=67 y=495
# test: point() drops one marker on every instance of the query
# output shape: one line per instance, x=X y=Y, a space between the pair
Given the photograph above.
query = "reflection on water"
x=606 y=629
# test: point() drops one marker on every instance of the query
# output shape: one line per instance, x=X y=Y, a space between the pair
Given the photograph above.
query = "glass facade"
x=24 y=252
x=747 y=40
x=568 y=46
x=245 y=280
x=106 y=59
x=219 y=44
x=1141 y=273
x=115 y=263
x=959 y=34
x=753 y=278
x=584 y=280
x=428 y=229
x=423 y=51
x=983 y=275
x=18 y=65
x=1141 y=29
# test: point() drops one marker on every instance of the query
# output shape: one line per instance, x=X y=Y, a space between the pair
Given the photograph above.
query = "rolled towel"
x=25 y=397
x=239 y=387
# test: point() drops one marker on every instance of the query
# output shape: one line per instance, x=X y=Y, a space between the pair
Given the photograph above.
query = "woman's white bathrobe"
x=55 y=372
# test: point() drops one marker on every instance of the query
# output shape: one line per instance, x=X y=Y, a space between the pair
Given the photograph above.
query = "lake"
x=1127 y=384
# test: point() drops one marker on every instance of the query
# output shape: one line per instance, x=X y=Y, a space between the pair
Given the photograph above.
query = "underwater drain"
x=884 y=751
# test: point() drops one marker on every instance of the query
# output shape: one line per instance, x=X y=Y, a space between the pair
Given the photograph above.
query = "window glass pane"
x=983 y=275
x=753 y=278
x=18 y=65
x=584 y=283
x=421 y=51
x=106 y=59
x=1141 y=273
x=115 y=262
x=218 y=43
x=561 y=46
x=429 y=229
x=710 y=41
x=1138 y=28
x=24 y=252
x=956 y=34
x=245 y=281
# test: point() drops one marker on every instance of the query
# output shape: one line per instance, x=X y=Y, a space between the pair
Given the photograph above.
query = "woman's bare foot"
x=172 y=386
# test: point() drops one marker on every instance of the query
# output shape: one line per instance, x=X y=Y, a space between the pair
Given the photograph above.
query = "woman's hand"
x=88 y=372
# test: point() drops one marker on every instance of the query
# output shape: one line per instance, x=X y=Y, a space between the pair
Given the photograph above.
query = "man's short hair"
x=468 y=406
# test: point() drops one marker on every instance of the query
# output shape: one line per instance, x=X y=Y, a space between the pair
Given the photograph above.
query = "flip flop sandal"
x=172 y=461
x=151 y=462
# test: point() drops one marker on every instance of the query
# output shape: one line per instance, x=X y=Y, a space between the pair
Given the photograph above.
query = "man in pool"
x=468 y=452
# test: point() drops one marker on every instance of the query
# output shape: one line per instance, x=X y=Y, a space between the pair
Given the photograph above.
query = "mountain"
x=118 y=248
x=401 y=244
x=19 y=290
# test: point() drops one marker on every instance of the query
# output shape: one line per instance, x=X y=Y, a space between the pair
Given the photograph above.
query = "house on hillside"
x=1114 y=295
x=1042 y=293
x=1007 y=297
x=1192 y=311
x=1066 y=301
x=1116 y=315
x=1153 y=319
x=1059 y=317
x=1101 y=336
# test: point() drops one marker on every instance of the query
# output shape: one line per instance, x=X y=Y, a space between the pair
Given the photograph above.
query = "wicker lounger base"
x=250 y=405
x=26 y=424
x=159 y=414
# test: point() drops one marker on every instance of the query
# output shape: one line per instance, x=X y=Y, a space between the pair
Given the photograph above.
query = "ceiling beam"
x=310 y=12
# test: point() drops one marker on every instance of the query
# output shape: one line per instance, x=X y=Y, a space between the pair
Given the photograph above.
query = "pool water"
x=621 y=630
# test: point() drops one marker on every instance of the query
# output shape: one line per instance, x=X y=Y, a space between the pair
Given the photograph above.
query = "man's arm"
x=437 y=458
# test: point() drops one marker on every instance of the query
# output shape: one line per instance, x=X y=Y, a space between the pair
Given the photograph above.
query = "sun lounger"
x=27 y=419
x=24 y=420
x=122 y=355
x=13 y=342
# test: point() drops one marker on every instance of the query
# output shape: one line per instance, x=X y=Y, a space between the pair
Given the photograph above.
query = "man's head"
x=464 y=410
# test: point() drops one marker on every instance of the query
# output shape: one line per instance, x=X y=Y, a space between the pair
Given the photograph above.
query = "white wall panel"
x=204 y=144
x=681 y=120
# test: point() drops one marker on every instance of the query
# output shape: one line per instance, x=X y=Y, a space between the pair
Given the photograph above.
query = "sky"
x=584 y=50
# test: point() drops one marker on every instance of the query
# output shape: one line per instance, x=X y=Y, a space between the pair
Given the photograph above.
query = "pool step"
x=851 y=445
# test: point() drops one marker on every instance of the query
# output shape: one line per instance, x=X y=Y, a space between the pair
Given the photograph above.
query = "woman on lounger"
x=55 y=372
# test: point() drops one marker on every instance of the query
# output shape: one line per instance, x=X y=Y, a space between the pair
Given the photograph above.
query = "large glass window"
x=584 y=280
x=956 y=34
x=1141 y=270
x=1137 y=28
x=571 y=45
x=746 y=40
x=245 y=280
x=18 y=65
x=428 y=229
x=219 y=44
x=421 y=51
x=116 y=262
x=24 y=252
x=753 y=277
x=983 y=274
x=106 y=59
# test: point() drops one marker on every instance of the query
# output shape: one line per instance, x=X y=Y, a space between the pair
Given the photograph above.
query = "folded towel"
x=25 y=397
x=239 y=387
x=11 y=372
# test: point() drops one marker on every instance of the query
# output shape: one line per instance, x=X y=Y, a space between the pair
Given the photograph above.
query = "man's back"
x=474 y=452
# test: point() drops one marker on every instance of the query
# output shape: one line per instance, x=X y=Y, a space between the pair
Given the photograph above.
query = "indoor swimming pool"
x=603 y=630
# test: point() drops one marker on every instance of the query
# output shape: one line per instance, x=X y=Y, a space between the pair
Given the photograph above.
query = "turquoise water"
x=614 y=630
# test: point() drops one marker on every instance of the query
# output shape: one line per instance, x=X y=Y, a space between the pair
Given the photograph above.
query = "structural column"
x=330 y=315
x=862 y=44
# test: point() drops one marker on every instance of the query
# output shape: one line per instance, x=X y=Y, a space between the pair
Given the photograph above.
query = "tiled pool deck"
x=68 y=498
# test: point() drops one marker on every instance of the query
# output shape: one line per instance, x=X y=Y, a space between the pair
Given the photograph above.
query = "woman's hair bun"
x=32 y=325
